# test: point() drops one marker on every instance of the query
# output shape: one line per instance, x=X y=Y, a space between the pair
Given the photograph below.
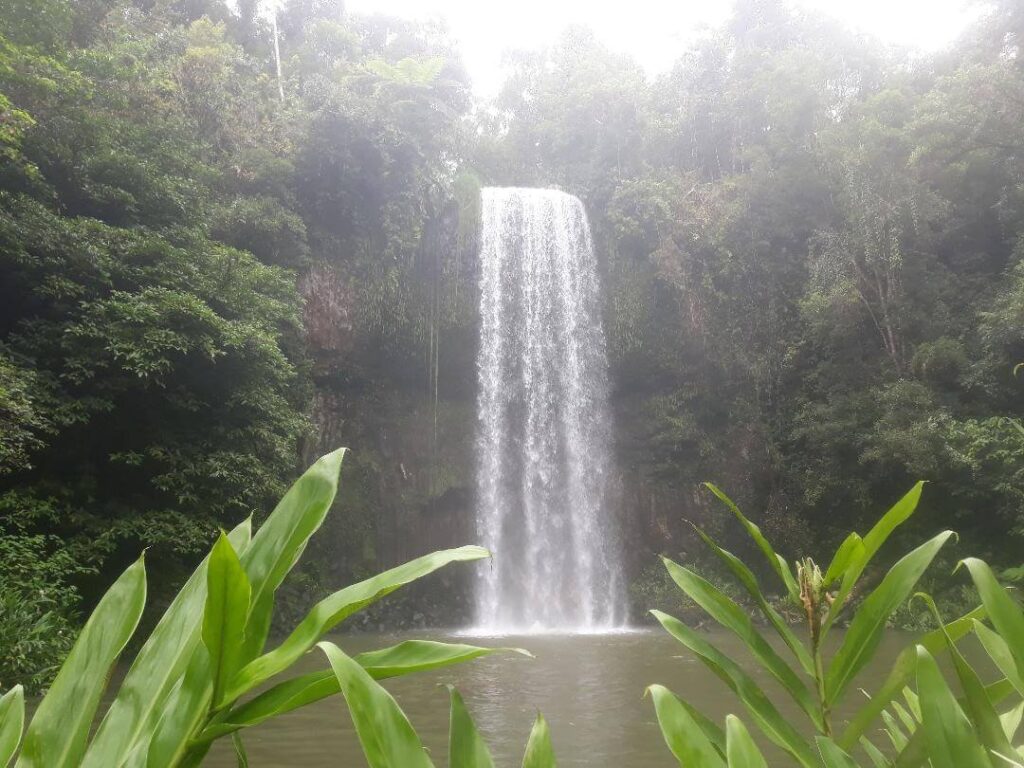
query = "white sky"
x=652 y=31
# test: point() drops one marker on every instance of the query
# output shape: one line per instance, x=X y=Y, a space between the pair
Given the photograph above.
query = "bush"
x=38 y=607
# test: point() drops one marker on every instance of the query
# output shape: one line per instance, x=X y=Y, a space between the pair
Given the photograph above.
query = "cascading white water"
x=544 y=463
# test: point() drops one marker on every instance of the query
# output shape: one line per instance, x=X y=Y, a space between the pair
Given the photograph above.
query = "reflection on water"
x=590 y=688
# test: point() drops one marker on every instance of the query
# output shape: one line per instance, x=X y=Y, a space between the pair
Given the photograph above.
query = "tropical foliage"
x=924 y=721
x=183 y=689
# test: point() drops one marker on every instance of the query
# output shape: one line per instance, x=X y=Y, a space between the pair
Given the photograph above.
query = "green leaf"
x=12 y=723
x=403 y=659
x=903 y=669
x=872 y=542
x=832 y=755
x=905 y=717
x=862 y=638
x=896 y=735
x=915 y=754
x=60 y=727
x=224 y=617
x=778 y=564
x=898 y=514
x=186 y=709
x=539 y=752
x=850 y=551
x=281 y=540
x=951 y=739
x=157 y=668
x=466 y=748
x=1000 y=654
x=421 y=655
x=913 y=702
x=1010 y=720
x=980 y=709
x=336 y=608
x=723 y=610
x=268 y=558
x=387 y=737
x=684 y=737
x=874 y=754
x=749 y=582
x=740 y=749
x=1003 y=611
x=774 y=725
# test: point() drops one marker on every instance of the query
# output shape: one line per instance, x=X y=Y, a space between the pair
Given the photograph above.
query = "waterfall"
x=543 y=440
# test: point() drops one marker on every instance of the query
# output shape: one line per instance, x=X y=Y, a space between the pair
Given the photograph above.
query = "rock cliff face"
x=402 y=399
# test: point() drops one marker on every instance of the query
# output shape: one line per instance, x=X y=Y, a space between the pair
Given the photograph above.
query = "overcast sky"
x=652 y=31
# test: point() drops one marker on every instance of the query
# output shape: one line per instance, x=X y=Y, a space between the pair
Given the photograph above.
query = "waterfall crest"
x=543 y=432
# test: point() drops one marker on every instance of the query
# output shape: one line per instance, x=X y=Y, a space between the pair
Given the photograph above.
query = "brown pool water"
x=589 y=687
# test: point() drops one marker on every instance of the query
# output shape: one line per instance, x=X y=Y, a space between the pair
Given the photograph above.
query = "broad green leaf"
x=891 y=520
x=896 y=516
x=850 y=551
x=466 y=748
x=979 y=708
x=905 y=717
x=1010 y=720
x=539 y=752
x=832 y=755
x=862 y=638
x=778 y=564
x=225 y=614
x=421 y=655
x=1000 y=654
x=268 y=558
x=186 y=708
x=157 y=667
x=774 y=725
x=896 y=735
x=403 y=659
x=915 y=754
x=913 y=702
x=951 y=740
x=683 y=736
x=281 y=540
x=903 y=669
x=336 y=608
x=387 y=737
x=723 y=610
x=1003 y=611
x=874 y=754
x=749 y=582
x=12 y=723
x=59 y=729
x=871 y=543
x=284 y=697
x=740 y=749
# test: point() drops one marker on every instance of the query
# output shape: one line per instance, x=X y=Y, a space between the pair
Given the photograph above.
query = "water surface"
x=590 y=688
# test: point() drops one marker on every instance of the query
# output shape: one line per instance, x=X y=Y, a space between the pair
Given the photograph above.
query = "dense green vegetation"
x=812 y=251
x=159 y=203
